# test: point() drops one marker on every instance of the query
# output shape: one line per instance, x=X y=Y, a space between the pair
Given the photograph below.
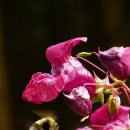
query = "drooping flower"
x=79 y=101
x=117 y=61
x=102 y=120
x=43 y=87
x=67 y=73
x=63 y=64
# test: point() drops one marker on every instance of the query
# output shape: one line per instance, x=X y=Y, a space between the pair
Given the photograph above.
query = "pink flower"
x=79 y=101
x=67 y=73
x=101 y=119
x=42 y=87
x=63 y=64
x=117 y=61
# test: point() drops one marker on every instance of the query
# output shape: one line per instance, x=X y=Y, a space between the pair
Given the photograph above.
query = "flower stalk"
x=92 y=64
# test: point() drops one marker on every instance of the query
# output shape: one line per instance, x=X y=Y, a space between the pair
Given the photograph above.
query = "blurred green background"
x=28 y=27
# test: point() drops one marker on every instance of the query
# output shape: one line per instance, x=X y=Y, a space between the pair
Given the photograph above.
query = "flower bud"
x=117 y=61
x=84 y=54
x=113 y=104
x=79 y=101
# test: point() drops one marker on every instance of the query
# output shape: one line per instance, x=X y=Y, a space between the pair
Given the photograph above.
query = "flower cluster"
x=81 y=89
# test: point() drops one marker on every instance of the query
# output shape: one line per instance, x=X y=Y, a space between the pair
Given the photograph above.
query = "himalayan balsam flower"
x=102 y=120
x=79 y=101
x=63 y=64
x=117 y=61
x=67 y=73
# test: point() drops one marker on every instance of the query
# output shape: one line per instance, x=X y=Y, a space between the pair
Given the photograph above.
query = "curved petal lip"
x=42 y=88
x=58 y=53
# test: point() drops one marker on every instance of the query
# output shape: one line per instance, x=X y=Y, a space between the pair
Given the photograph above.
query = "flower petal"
x=101 y=117
x=117 y=61
x=123 y=116
x=42 y=88
x=59 y=52
x=74 y=75
x=79 y=101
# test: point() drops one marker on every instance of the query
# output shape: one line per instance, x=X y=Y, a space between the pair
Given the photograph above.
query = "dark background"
x=28 y=27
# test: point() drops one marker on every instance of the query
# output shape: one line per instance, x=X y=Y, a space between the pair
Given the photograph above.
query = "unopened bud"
x=84 y=54
x=79 y=101
x=113 y=104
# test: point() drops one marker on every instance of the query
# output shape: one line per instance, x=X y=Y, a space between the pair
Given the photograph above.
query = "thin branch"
x=92 y=64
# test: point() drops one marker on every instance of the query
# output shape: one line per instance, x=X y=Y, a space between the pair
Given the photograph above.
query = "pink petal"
x=120 y=61
x=59 y=52
x=74 y=75
x=123 y=116
x=82 y=76
x=66 y=70
x=100 y=116
x=126 y=58
x=42 y=88
x=79 y=101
